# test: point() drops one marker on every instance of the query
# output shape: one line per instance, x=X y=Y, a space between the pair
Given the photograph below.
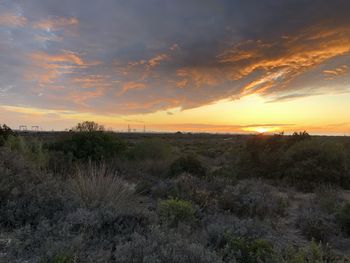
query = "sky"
x=240 y=66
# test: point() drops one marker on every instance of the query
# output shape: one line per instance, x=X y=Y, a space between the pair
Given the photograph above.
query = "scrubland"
x=89 y=195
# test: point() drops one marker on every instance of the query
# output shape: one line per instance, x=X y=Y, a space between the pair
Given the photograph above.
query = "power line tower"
x=144 y=128
x=129 y=128
x=35 y=128
x=23 y=128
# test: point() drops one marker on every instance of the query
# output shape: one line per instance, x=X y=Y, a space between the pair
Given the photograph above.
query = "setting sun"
x=262 y=130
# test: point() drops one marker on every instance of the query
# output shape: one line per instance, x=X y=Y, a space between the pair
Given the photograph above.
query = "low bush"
x=160 y=246
x=316 y=223
x=5 y=133
x=173 y=211
x=343 y=218
x=220 y=227
x=151 y=149
x=312 y=253
x=311 y=162
x=187 y=164
x=94 y=146
x=302 y=161
x=85 y=235
x=253 y=199
x=200 y=191
x=327 y=199
x=26 y=196
x=94 y=186
x=244 y=250
x=32 y=150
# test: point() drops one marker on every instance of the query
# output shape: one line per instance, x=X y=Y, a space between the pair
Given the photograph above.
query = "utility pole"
x=23 y=127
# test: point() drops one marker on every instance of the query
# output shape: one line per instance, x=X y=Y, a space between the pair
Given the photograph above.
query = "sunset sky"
x=240 y=66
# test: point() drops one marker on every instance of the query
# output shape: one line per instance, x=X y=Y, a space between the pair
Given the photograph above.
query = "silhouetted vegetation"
x=89 y=195
x=5 y=133
x=187 y=164
x=300 y=160
x=89 y=142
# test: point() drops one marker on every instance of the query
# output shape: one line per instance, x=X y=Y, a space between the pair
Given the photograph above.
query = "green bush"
x=93 y=146
x=261 y=156
x=151 y=149
x=5 y=133
x=160 y=246
x=315 y=223
x=187 y=164
x=253 y=199
x=343 y=218
x=174 y=211
x=60 y=259
x=310 y=162
x=239 y=249
x=313 y=253
x=26 y=196
x=32 y=150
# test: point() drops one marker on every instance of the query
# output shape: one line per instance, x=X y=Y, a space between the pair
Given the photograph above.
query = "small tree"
x=88 y=126
x=5 y=133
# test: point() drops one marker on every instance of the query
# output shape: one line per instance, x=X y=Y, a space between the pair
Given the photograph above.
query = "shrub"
x=327 y=199
x=106 y=223
x=188 y=164
x=5 y=133
x=94 y=186
x=310 y=162
x=221 y=227
x=61 y=259
x=313 y=253
x=253 y=199
x=32 y=150
x=27 y=196
x=315 y=223
x=247 y=251
x=186 y=187
x=160 y=246
x=80 y=235
x=93 y=146
x=343 y=218
x=174 y=211
x=88 y=126
x=261 y=156
x=151 y=149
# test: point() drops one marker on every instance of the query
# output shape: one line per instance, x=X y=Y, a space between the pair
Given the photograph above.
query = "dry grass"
x=95 y=186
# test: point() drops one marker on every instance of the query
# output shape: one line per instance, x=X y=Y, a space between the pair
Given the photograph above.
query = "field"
x=89 y=195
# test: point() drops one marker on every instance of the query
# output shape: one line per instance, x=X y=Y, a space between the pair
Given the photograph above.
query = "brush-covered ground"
x=93 y=196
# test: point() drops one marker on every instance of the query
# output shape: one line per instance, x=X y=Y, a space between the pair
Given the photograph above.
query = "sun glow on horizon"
x=261 y=130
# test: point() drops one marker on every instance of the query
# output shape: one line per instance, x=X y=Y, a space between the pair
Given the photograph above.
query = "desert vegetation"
x=89 y=195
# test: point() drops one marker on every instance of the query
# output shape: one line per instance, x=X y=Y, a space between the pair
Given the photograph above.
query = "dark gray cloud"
x=136 y=56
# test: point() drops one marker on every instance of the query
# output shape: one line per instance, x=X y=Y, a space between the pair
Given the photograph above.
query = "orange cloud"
x=331 y=73
x=283 y=60
x=92 y=81
x=81 y=97
x=12 y=20
x=55 y=23
x=196 y=77
x=156 y=60
x=45 y=68
x=131 y=86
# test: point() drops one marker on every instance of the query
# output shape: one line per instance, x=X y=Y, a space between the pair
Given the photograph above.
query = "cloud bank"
x=132 y=57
